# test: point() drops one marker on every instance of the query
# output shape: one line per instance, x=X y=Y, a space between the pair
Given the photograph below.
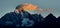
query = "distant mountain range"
x=40 y=22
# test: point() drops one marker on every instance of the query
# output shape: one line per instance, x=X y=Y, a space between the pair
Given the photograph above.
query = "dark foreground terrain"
x=49 y=21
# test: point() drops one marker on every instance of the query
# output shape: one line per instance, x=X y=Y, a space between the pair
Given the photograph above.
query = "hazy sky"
x=7 y=6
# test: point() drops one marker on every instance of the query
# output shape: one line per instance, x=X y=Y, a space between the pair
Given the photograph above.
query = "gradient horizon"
x=7 y=6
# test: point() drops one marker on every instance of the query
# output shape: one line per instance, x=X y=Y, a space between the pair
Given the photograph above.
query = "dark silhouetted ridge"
x=50 y=18
x=59 y=17
x=39 y=21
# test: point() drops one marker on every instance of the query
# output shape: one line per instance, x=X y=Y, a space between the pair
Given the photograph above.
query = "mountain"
x=37 y=17
x=50 y=15
x=59 y=17
x=12 y=19
x=15 y=19
x=58 y=20
x=50 y=18
x=41 y=17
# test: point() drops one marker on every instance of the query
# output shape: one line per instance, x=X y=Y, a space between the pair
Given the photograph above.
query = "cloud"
x=29 y=7
x=40 y=9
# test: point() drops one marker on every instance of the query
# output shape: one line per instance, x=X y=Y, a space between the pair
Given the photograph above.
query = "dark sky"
x=7 y=6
